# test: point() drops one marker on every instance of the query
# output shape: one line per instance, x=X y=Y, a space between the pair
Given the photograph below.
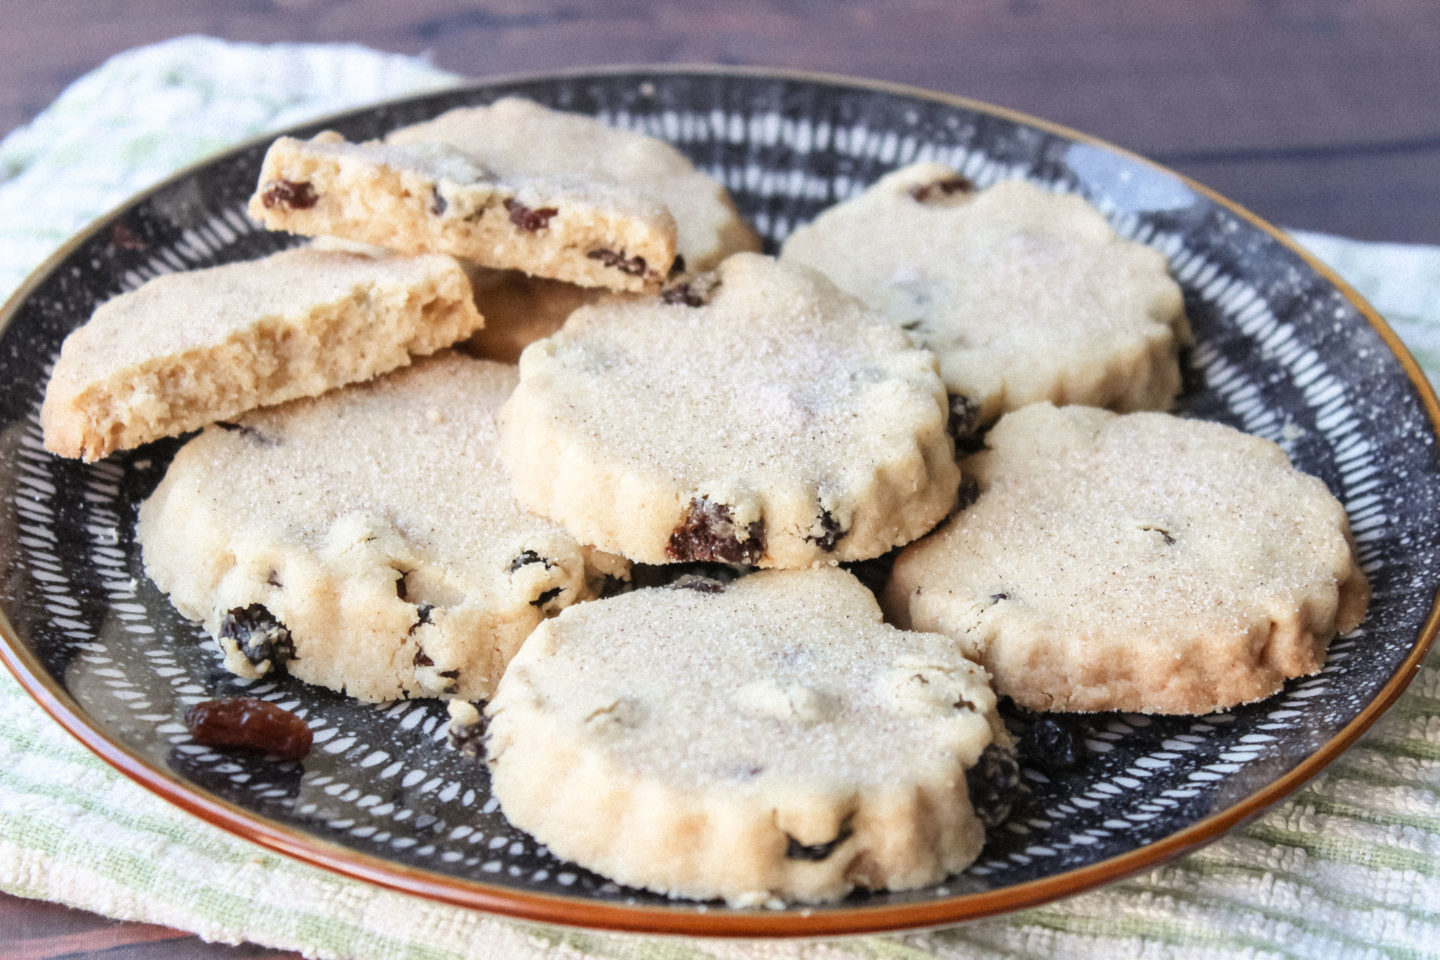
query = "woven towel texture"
x=1348 y=867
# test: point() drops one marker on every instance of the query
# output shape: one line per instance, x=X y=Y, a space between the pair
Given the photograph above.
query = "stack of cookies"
x=372 y=511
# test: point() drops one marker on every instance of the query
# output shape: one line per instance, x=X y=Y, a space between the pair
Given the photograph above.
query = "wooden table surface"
x=1320 y=114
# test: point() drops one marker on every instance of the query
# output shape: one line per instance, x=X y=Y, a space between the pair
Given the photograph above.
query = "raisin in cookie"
x=187 y=349
x=431 y=198
x=1024 y=295
x=757 y=415
x=1135 y=562
x=365 y=540
x=768 y=739
x=519 y=138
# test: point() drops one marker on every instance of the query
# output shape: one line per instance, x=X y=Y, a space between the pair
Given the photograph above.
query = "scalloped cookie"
x=187 y=349
x=1135 y=562
x=688 y=740
x=365 y=540
x=520 y=138
x=431 y=198
x=759 y=416
x=1024 y=295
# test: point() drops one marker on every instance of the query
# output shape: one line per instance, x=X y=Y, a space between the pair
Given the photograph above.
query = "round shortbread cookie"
x=767 y=739
x=761 y=416
x=520 y=138
x=1135 y=562
x=365 y=540
x=1023 y=295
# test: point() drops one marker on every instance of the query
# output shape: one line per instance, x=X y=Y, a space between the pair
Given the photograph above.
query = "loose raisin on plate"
x=1053 y=746
x=258 y=635
x=246 y=723
x=994 y=782
x=528 y=219
x=288 y=193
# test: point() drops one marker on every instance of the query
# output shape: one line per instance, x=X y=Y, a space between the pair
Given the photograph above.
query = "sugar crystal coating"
x=779 y=424
x=1024 y=295
x=695 y=743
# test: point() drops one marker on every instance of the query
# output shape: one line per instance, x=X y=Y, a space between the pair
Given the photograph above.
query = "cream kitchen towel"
x=1348 y=867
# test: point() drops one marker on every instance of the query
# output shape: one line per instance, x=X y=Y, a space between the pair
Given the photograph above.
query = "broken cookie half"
x=365 y=540
x=187 y=349
x=432 y=198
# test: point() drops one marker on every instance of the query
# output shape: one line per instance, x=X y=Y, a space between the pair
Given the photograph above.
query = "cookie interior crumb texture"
x=432 y=198
x=694 y=743
x=778 y=423
x=1135 y=562
x=1024 y=295
x=520 y=138
x=187 y=349
x=376 y=527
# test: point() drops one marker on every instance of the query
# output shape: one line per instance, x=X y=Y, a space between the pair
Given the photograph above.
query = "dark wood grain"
x=34 y=930
x=1314 y=113
x=1320 y=114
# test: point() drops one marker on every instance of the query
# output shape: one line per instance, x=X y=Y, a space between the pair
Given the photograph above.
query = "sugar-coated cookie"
x=754 y=415
x=431 y=198
x=520 y=138
x=187 y=349
x=365 y=540
x=1024 y=295
x=1136 y=562
x=764 y=740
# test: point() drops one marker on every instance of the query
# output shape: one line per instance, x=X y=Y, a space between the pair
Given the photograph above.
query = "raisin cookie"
x=365 y=540
x=757 y=415
x=696 y=741
x=1024 y=295
x=431 y=198
x=520 y=138
x=187 y=349
x=1135 y=562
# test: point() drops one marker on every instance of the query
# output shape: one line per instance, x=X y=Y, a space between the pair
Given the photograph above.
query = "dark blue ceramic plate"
x=1284 y=351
